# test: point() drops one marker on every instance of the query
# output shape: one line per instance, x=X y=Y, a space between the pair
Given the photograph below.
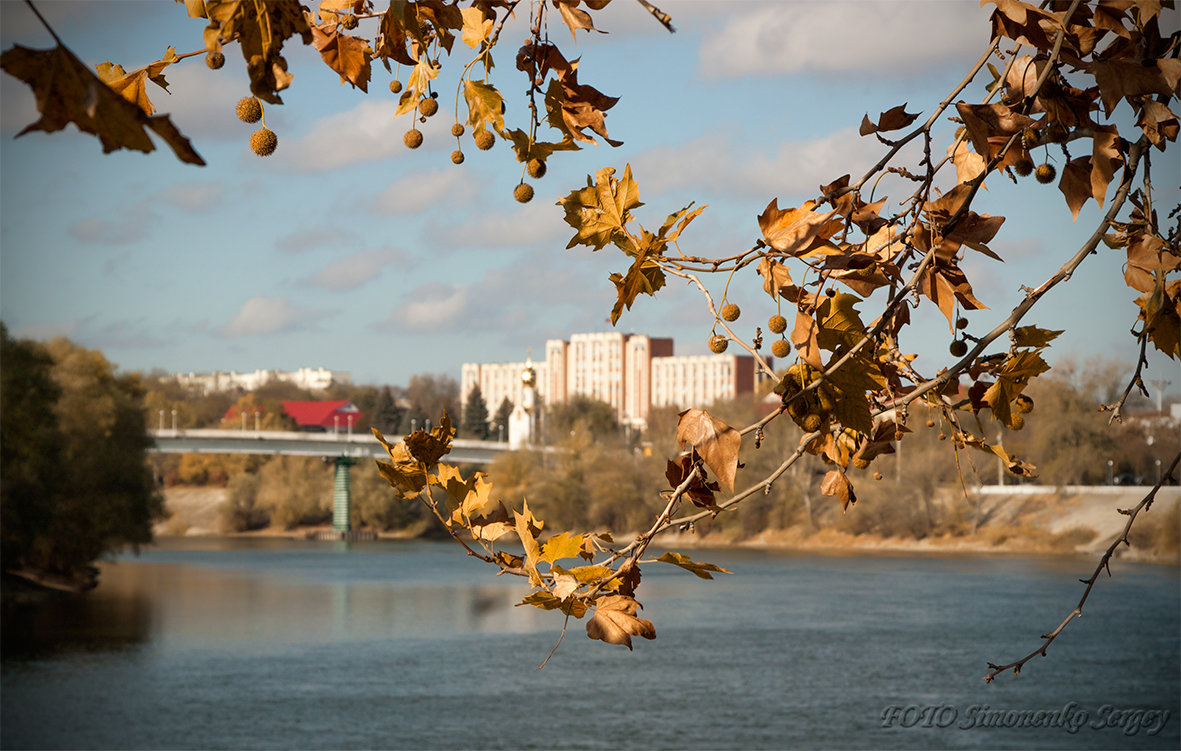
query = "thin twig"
x=1104 y=563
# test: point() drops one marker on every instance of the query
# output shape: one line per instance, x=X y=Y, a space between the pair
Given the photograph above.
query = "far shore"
x=1025 y=520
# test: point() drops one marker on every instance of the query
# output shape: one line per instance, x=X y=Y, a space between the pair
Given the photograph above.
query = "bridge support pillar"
x=341 y=495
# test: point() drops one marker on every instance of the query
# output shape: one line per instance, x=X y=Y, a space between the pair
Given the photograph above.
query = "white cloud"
x=265 y=315
x=354 y=271
x=364 y=133
x=195 y=197
x=538 y=223
x=872 y=39
x=416 y=193
x=714 y=162
x=433 y=307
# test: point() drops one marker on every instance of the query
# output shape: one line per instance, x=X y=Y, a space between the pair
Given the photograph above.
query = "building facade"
x=631 y=372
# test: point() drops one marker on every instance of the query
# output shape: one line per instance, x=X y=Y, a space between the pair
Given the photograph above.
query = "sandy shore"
x=1077 y=522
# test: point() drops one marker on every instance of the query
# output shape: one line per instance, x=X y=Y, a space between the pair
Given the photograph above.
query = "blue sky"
x=348 y=251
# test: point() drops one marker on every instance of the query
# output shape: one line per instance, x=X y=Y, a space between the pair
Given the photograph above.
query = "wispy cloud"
x=313 y=238
x=195 y=197
x=128 y=225
x=872 y=39
x=260 y=316
x=364 y=133
x=416 y=193
x=354 y=271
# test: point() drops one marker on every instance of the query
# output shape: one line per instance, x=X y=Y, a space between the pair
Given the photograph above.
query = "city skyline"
x=347 y=251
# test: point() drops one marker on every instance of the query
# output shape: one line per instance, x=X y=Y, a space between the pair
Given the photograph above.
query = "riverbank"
x=1022 y=519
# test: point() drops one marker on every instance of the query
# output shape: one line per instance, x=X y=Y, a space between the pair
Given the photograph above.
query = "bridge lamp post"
x=161 y=419
x=174 y=421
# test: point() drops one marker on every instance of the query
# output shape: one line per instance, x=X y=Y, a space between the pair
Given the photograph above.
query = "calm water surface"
x=282 y=644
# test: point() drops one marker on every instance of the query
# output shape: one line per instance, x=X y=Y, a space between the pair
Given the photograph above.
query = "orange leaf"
x=716 y=442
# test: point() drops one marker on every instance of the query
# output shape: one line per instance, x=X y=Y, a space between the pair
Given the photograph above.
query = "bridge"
x=295 y=443
x=344 y=449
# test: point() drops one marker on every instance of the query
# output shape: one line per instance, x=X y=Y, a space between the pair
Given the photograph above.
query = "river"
x=265 y=643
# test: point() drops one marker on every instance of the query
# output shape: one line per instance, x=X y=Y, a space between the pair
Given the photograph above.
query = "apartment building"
x=312 y=379
x=630 y=372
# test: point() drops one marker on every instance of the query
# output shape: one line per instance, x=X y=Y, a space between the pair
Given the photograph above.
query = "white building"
x=312 y=379
x=630 y=372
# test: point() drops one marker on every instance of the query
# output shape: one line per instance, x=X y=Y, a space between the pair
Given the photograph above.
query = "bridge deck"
x=292 y=443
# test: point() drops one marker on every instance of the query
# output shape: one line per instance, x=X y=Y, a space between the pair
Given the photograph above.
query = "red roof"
x=323 y=414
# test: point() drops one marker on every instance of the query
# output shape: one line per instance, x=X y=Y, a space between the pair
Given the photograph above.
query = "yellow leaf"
x=561 y=546
x=485 y=105
x=476 y=27
x=698 y=569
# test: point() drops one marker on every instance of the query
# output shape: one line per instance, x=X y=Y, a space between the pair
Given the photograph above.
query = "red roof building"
x=339 y=415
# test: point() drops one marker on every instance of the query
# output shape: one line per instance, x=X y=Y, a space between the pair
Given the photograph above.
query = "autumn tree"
x=844 y=272
x=76 y=483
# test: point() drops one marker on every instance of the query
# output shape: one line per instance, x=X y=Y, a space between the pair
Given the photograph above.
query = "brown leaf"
x=716 y=442
x=1075 y=183
x=575 y=18
x=615 y=621
x=892 y=119
x=260 y=29
x=347 y=55
x=67 y=92
x=803 y=338
x=835 y=483
x=698 y=569
x=798 y=232
x=428 y=448
x=699 y=492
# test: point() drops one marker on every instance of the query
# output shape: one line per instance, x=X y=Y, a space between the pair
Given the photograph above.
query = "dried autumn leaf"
x=133 y=86
x=716 y=442
x=835 y=483
x=67 y=92
x=697 y=569
x=699 y=492
x=600 y=211
x=799 y=232
x=615 y=621
x=575 y=18
x=347 y=55
x=527 y=527
x=892 y=119
x=260 y=29
x=485 y=105
x=428 y=448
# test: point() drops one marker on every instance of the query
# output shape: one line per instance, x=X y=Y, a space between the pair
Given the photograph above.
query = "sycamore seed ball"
x=215 y=60
x=930 y=423
x=535 y=168
x=1023 y=166
x=860 y=462
x=457 y=130
x=777 y=324
x=249 y=109
x=780 y=348
x=1045 y=173
x=457 y=156
x=730 y=312
x=428 y=107
x=413 y=138
x=1016 y=421
x=395 y=86
x=877 y=475
x=484 y=140
x=958 y=348
x=349 y=22
x=718 y=344
x=961 y=323
x=1023 y=404
x=523 y=193
x=264 y=141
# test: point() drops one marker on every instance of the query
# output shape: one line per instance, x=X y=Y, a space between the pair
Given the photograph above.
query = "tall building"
x=501 y=380
x=630 y=372
x=312 y=379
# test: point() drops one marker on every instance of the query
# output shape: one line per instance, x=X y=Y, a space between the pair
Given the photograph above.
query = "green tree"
x=475 y=415
x=500 y=419
x=386 y=416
